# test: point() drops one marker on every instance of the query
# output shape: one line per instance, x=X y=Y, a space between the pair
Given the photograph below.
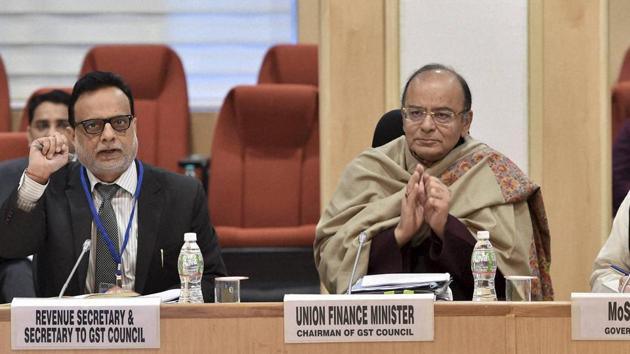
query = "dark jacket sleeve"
x=21 y=232
x=386 y=256
x=452 y=252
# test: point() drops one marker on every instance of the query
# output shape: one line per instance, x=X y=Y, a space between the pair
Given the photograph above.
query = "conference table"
x=460 y=327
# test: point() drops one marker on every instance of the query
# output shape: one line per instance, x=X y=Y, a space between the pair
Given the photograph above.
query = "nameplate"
x=358 y=318
x=600 y=316
x=101 y=323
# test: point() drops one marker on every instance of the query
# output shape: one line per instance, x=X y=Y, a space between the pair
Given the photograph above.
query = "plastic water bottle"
x=483 y=264
x=190 y=267
x=189 y=170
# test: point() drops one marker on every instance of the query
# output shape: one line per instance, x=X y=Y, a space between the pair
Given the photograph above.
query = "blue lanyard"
x=117 y=257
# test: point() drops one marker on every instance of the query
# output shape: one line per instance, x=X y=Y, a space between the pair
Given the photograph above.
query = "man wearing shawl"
x=422 y=197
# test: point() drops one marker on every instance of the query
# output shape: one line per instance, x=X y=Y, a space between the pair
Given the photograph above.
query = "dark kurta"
x=451 y=254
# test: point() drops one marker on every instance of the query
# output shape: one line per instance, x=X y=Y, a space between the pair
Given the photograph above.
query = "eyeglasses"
x=44 y=125
x=442 y=116
x=96 y=126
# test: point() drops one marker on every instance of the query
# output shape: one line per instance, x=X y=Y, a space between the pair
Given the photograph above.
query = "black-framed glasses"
x=96 y=126
x=441 y=116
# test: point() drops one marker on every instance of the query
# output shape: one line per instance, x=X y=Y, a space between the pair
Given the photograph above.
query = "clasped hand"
x=47 y=155
x=426 y=200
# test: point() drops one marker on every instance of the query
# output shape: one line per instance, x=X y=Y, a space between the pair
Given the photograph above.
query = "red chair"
x=624 y=73
x=24 y=118
x=264 y=188
x=620 y=106
x=5 y=108
x=158 y=83
x=13 y=145
x=290 y=64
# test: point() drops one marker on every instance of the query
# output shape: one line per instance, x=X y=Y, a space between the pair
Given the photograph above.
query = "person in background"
x=621 y=166
x=47 y=113
x=614 y=252
x=134 y=214
x=421 y=197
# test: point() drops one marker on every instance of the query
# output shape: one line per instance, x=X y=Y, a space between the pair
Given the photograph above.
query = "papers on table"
x=167 y=296
x=436 y=283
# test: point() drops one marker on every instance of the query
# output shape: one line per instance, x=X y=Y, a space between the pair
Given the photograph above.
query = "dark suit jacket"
x=169 y=205
x=10 y=173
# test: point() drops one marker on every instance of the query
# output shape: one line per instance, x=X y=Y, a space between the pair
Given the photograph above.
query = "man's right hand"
x=411 y=208
x=47 y=155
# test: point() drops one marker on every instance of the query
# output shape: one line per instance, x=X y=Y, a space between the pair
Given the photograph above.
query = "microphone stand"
x=362 y=238
x=86 y=248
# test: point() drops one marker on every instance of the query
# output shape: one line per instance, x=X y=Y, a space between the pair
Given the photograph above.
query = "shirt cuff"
x=29 y=193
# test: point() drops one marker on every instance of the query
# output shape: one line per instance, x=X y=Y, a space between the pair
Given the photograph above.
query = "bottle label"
x=484 y=262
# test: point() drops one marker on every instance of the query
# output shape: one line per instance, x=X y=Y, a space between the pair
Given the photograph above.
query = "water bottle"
x=190 y=267
x=483 y=264
x=189 y=170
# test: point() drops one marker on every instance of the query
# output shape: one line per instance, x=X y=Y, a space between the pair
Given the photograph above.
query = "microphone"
x=362 y=238
x=86 y=248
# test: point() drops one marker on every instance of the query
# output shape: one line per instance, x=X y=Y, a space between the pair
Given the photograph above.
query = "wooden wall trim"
x=392 y=55
x=574 y=135
x=352 y=83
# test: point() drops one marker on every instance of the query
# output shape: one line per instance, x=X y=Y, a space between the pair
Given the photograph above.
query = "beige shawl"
x=489 y=192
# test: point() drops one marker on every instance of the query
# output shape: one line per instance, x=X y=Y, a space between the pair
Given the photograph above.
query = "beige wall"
x=16 y=117
x=570 y=132
x=201 y=131
x=308 y=21
x=355 y=78
x=618 y=36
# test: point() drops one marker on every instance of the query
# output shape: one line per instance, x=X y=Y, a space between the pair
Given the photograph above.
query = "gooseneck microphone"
x=86 y=248
x=362 y=238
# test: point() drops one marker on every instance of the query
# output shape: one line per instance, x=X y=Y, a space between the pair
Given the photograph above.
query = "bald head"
x=435 y=71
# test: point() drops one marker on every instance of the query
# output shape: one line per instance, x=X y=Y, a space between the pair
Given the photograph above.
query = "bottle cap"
x=190 y=236
x=483 y=235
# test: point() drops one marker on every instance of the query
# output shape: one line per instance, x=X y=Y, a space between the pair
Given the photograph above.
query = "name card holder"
x=358 y=318
x=600 y=316
x=97 y=323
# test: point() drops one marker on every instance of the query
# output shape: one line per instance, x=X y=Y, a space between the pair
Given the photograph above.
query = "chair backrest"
x=5 y=108
x=290 y=64
x=13 y=145
x=265 y=158
x=24 y=118
x=388 y=128
x=158 y=83
x=624 y=73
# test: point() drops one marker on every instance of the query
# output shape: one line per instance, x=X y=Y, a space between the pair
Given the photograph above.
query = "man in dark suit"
x=135 y=246
x=47 y=113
